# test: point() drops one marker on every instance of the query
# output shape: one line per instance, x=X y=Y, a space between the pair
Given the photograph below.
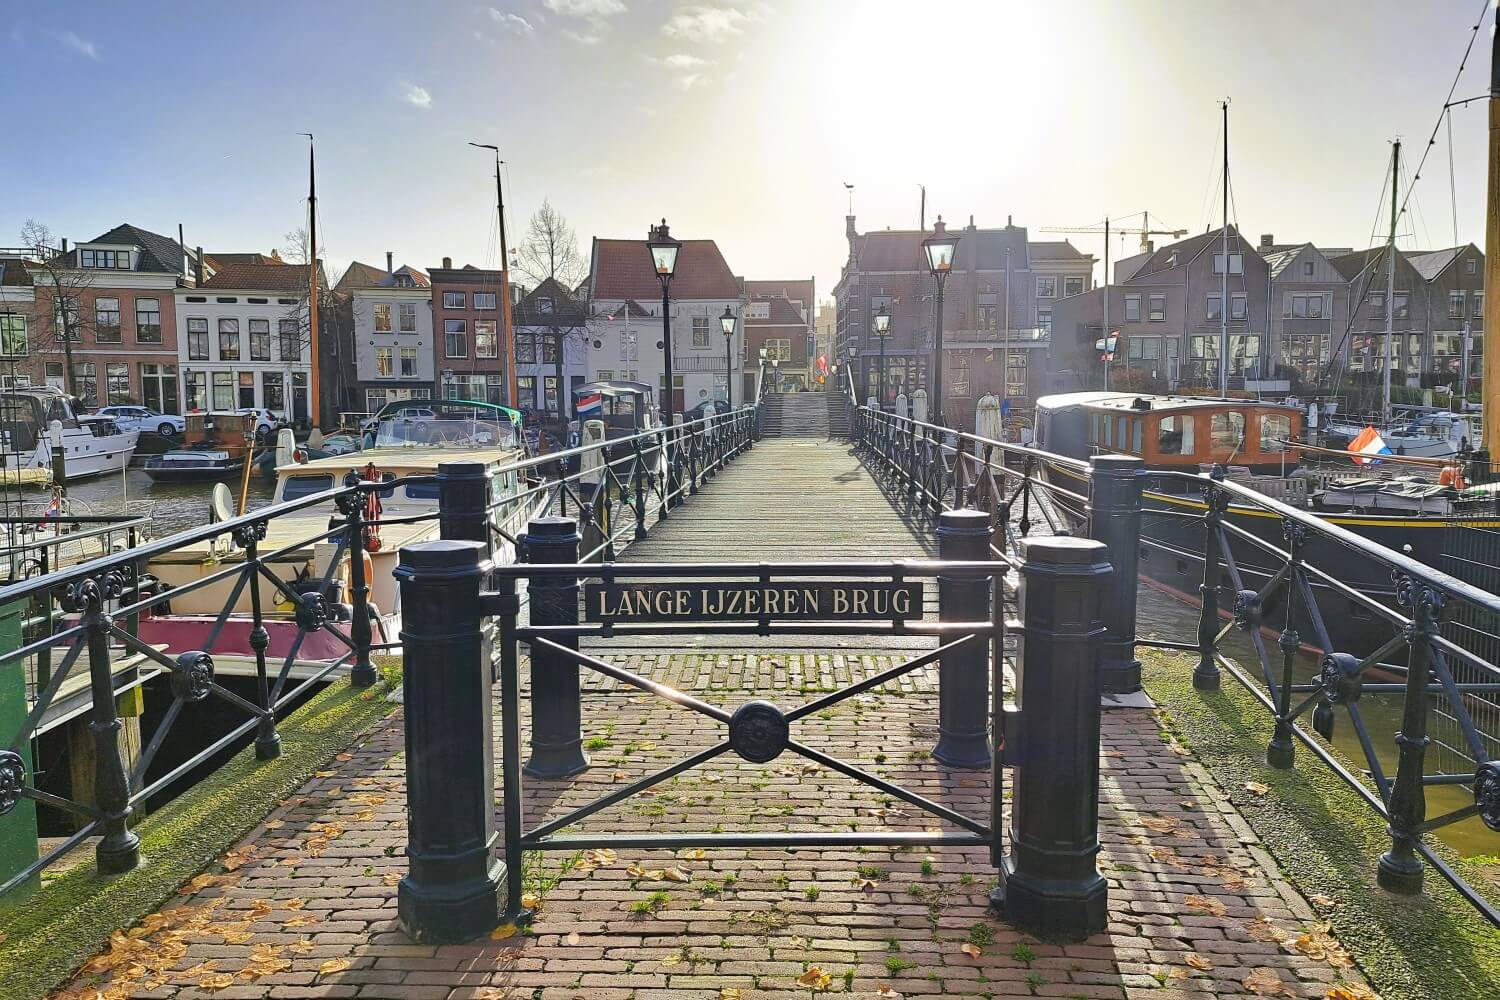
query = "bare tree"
x=335 y=319
x=62 y=323
x=550 y=249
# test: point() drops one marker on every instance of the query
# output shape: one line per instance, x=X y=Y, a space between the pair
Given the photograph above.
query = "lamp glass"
x=940 y=254
x=882 y=322
x=726 y=322
x=664 y=258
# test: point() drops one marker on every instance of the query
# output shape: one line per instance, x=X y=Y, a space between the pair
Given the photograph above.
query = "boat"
x=215 y=447
x=35 y=421
x=458 y=432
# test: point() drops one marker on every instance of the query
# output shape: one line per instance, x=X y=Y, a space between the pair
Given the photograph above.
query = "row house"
x=800 y=295
x=466 y=329
x=776 y=326
x=998 y=304
x=626 y=329
x=393 y=356
x=552 y=342
x=242 y=337
x=107 y=306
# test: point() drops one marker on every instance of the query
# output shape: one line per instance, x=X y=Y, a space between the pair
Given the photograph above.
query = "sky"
x=740 y=122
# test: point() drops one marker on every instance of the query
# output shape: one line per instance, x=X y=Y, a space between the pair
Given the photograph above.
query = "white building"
x=393 y=355
x=625 y=333
x=242 y=339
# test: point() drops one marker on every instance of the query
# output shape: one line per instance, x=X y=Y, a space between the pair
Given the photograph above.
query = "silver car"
x=144 y=419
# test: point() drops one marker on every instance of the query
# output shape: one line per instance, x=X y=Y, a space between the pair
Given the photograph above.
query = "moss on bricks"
x=1327 y=840
x=58 y=928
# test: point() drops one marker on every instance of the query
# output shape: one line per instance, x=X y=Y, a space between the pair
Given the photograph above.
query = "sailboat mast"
x=1224 y=285
x=1106 y=352
x=1390 y=287
x=1490 y=385
x=313 y=393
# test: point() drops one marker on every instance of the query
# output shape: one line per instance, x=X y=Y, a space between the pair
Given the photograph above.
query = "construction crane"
x=1144 y=231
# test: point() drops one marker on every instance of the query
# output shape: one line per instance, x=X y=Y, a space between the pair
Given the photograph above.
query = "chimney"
x=1151 y=246
x=447 y=263
x=182 y=245
x=390 y=264
x=198 y=264
x=1267 y=241
x=65 y=245
x=971 y=220
x=1008 y=223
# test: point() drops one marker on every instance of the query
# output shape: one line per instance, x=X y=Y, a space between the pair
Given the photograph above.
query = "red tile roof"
x=781 y=313
x=622 y=270
x=289 y=278
x=798 y=289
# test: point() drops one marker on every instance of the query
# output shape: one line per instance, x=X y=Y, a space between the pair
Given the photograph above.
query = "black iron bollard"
x=963 y=675
x=362 y=673
x=119 y=849
x=1050 y=885
x=452 y=891
x=1115 y=519
x=464 y=501
x=1206 y=674
x=556 y=713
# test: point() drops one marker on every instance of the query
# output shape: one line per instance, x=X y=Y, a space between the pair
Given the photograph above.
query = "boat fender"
x=342 y=613
x=299 y=455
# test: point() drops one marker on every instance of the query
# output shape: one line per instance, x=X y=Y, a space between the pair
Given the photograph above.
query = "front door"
x=247 y=390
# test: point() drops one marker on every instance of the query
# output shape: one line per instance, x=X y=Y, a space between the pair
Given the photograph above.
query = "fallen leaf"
x=1198 y=962
x=333 y=965
x=1319 y=899
x=302 y=945
x=1257 y=788
x=620 y=775
x=274 y=824
x=324 y=774
x=344 y=756
x=1162 y=824
x=815 y=979
x=573 y=937
x=392 y=878
x=1206 y=904
x=1261 y=929
x=645 y=746
x=4 y=937
x=364 y=815
x=531 y=900
x=677 y=875
x=672 y=960
x=1265 y=983
x=502 y=932
x=866 y=884
x=1351 y=991
x=697 y=854
x=367 y=799
x=971 y=949
x=730 y=993
x=886 y=993
x=301 y=920
x=294 y=904
x=219 y=981
x=237 y=937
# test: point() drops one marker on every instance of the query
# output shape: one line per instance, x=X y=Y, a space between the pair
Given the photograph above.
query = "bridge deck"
x=1196 y=906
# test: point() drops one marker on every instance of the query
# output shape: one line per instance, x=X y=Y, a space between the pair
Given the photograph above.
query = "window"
x=1306 y=354
x=526 y=348
x=1015 y=375
x=298 y=487
x=1403 y=307
x=482 y=300
x=223 y=390
x=12 y=334
x=1310 y=306
x=986 y=317
x=229 y=340
x=1239 y=306
x=778 y=348
x=550 y=386
x=1456 y=305
x=958 y=377
x=1477 y=298
x=494 y=389
x=385 y=365
x=382 y=317
x=605 y=375
x=195 y=387
x=408 y=317
x=700 y=331
x=453 y=300
x=629 y=345
x=544 y=304
x=1236 y=263
x=455 y=338
x=1046 y=288
x=117 y=382
x=260 y=340
x=374 y=399
x=1072 y=286
x=1157 y=307
x=1227 y=429
x=107 y=320
x=65 y=318
x=526 y=390
x=86 y=382
x=247 y=389
x=1132 y=308
x=1215 y=307
x=290 y=334
x=408 y=362
x=159 y=387
x=1244 y=353
x=1307 y=268
x=1044 y=322
x=1471 y=266
x=1376 y=302
x=148 y=321
x=1174 y=435
x=1275 y=429
x=485 y=339
x=273 y=389
x=197 y=331
x=118 y=260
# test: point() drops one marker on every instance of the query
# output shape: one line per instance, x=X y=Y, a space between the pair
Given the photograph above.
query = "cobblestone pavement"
x=305 y=905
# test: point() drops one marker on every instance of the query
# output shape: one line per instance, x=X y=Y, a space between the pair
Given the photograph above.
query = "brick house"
x=470 y=361
x=776 y=325
x=801 y=294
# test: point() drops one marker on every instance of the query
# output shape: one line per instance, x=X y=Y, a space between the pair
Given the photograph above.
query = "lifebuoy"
x=373 y=510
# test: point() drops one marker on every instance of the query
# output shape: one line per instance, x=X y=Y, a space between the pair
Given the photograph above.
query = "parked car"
x=144 y=419
x=412 y=409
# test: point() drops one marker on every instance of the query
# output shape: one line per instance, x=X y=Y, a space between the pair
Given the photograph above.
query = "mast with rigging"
x=1490 y=385
x=1224 y=268
x=313 y=393
x=1390 y=288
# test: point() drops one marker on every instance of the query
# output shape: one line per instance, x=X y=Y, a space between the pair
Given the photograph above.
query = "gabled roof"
x=1180 y=253
x=218 y=260
x=622 y=269
x=1434 y=262
x=780 y=313
x=418 y=278
x=360 y=275
x=159 y=254
x=797 y=290
x=285 y=278
x=13 y=273
x=980 y=249
x=1054 y=250
x=1279 y=260
x=565 y=309
x=631 y=308
x=1352 y=265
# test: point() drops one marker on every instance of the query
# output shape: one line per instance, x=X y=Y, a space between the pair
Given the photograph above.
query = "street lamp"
x=882 y=331
x=726 y=323
x=664 y=260
x=939 y=248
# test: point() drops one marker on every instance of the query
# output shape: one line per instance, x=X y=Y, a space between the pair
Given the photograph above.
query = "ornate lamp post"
x=726 y=323
x=664 y=259
x=882 y=331
x=939 y=248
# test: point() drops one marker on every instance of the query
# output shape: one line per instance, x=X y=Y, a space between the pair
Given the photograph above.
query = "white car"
x=140 y=418
x=266 y=422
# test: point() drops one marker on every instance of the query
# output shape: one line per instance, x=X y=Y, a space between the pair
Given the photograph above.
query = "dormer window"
x=544 y=305
x=113 y=260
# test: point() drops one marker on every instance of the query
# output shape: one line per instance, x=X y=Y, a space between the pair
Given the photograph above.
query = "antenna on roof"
x=922 y=214
x=850 y=188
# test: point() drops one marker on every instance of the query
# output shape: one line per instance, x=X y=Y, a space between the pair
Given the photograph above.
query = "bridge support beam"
x=963 y=674
x=1115 y=519
x=451 y=892
x=556 y=712
x=1050 y=884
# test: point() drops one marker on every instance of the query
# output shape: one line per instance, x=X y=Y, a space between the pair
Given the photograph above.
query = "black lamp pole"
x=882 y=330
x=726 y=322
x=664 y=259
x=940 y=249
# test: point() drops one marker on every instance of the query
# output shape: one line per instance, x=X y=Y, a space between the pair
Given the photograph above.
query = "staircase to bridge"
x=797 y=414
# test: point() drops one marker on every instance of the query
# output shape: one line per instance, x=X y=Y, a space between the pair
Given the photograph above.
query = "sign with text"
x=698 y=601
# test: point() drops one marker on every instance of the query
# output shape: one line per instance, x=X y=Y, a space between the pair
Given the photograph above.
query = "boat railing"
x=1437 y=635
x=82 y=650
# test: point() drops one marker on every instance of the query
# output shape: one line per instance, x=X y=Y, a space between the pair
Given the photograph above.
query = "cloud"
x=592 y=38
x=708 y=24
x=416 y=96
x=687 y=81
x=585 y=8
x=679 y=61
x=514 y=23
x=80 y=45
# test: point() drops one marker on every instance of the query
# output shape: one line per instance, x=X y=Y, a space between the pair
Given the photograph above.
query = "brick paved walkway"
x=305 y=906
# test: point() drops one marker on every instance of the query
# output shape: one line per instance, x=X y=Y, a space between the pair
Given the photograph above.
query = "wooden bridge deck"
x=308 y=905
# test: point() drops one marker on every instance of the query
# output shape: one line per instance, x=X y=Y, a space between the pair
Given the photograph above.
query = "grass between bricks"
x=69 y=920
x=1327 y=841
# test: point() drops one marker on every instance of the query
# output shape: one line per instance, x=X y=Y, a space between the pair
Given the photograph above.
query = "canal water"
x=171 y=507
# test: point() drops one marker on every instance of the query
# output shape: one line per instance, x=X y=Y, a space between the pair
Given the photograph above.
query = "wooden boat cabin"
x=1171 y=432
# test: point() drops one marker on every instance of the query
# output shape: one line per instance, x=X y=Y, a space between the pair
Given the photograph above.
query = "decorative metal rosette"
x=192 y=676
x=351 y=502
x=1340 y=677
x=246 y=534
x=312 y=612
x=12 y=780
x=1487 y=793
x=86 y=595
x=1294 y=533
x=758 y=731
x=1289 y=641
x=1247 y=609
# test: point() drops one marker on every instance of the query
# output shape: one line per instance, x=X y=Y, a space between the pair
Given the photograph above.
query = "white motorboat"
x=33 y=421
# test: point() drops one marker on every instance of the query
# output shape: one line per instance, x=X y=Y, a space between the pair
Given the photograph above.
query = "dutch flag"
x=590 y=404
x=1367 y=445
